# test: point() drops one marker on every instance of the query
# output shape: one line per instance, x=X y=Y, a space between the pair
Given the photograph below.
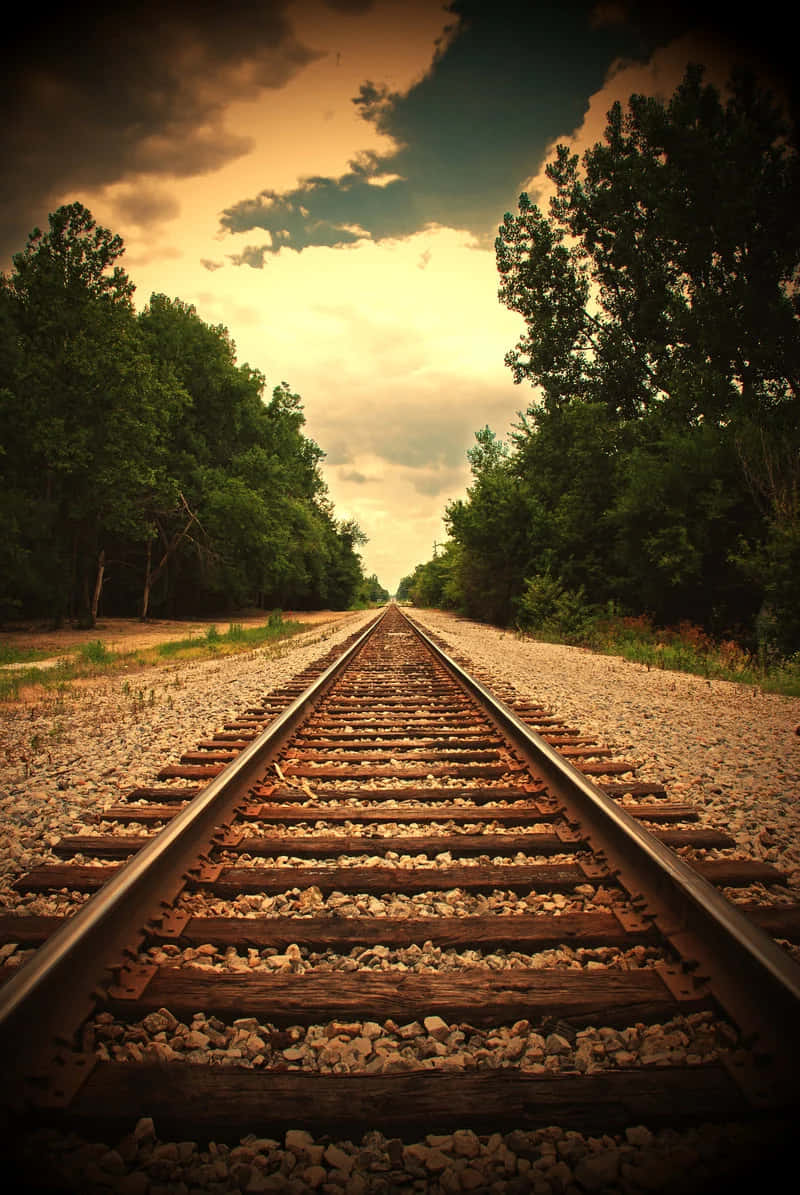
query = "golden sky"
x=347 y=246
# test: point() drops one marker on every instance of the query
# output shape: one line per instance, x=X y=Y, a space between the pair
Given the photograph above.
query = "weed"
x=11 y=654
x=95 y=652
x=95 y=656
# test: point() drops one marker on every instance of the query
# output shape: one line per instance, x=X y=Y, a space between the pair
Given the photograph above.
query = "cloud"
x=464 y=135
x=503 y=84
x=95 y=98
x=207 y=264
x=143 y=206
x=251 y=255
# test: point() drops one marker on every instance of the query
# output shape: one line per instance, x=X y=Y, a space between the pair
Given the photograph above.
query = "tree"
x=667 y=270
x=663 y=288
x=143 y=467
x=84 y=415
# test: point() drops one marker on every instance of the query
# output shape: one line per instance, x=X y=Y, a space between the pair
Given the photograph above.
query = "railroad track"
x=384 y=900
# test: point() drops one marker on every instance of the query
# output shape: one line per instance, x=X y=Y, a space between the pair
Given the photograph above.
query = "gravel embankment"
x=72 y=755
x=732 y=752
x=729 y=749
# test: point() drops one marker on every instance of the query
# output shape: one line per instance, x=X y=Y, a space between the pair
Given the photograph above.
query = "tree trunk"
x=98 y=584
x=147 y=581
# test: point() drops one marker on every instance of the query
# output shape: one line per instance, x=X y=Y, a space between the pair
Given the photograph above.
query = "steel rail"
x=59 y=984
x=751 y=976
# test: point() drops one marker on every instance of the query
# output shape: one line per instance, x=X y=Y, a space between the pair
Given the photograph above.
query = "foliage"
x=658 y=466
x=143 y=467
x=552 y=611
x=95 y=652
x=371 y=593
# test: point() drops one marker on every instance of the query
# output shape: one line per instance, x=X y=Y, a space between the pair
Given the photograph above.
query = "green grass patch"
x=95 y=652
x=236 y=638
x=95 y=659
x=11 y=654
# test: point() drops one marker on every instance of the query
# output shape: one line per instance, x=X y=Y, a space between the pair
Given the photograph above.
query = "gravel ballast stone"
x=729 y=750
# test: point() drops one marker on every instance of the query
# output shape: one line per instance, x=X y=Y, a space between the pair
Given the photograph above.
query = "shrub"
x=547 y=608
x=95 y=652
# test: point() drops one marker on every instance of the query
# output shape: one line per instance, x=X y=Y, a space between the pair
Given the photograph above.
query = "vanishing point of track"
x=294 y=797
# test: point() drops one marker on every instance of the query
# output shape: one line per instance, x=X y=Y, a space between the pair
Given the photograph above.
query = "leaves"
x=117 y=429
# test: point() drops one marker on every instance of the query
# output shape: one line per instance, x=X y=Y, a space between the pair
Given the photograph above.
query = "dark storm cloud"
x=145 y=206
x=506 y=81
x=93 y=95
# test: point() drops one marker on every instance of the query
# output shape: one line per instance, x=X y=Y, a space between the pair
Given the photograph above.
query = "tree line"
x=142 y=469
x=657 y=468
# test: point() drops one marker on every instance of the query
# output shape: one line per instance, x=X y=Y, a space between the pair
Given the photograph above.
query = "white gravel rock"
x=729 y=749
x=74 y=754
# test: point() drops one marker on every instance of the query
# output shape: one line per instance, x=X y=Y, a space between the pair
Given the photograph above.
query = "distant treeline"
x=142 y=470
x=657 y=470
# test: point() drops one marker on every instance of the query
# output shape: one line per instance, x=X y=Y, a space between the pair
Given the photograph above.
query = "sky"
x=326 y=178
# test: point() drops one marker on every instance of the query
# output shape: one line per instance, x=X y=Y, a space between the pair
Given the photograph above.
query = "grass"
x=236 y=638
x=11 y=654
x=96 y=659
x=687 y=648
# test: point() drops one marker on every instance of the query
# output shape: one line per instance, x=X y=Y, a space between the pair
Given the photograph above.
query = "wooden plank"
x=738 y=873
x=134 y=813
x=28 y=930
x=475 y=995
x=199 y=1102
x=449 y=754
x=477 y=796
x=507 y=814
x=663 y=811
x=178 y=771
x=164 y=793
x=605 y=769
x=74 y=878
x=471 y=736
x=371 y=771
x=781 y=921
x=319 y=846
x=377 y=879
x=401 y=814
x=522 y=931
x=322 y=846
x=707 y=839
x=208 y=756
x=633 y=788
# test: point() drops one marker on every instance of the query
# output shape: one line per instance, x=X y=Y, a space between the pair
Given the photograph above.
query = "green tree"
x=662 y=288
x=667 y=269
x=84 y=415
